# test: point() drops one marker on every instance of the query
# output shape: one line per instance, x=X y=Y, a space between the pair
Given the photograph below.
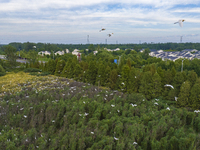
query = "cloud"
x=125 y=18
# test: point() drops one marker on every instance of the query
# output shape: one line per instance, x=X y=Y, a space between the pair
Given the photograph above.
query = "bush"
x=39 y=74
x=2 y=71
x=32 y=70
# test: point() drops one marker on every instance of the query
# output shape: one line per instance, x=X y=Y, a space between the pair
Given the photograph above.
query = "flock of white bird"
x=180 y=22
x=103 y=29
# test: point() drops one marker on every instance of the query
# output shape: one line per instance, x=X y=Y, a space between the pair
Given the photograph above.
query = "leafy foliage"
x=57 y=113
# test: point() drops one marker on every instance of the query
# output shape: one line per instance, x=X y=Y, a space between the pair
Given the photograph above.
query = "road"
x=19 y=60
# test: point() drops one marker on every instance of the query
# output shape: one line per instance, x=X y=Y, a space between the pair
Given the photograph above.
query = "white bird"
x=25 y=116
x=155 y=103
x=123 y=83
x=102 y=29
x=168 y=85
x=110 y=34
x=176 y=98
x=197 y=111
x=134 y=143
x=116 y=138
x=113 y=105
x=92 y=132
x=168 y=108
x=180 y=22
x=86 y=114
x=133 y=105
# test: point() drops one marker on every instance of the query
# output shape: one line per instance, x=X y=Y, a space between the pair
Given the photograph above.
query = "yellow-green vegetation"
x=14 y=82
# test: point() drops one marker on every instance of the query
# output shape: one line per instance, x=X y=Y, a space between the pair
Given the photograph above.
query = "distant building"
x=59 y=53
x=67 y=51
x=175 y=55
x=42 y=53
x=75 y=52
x=117 y=49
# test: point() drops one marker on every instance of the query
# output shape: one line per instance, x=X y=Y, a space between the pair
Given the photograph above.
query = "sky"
x=79 y=21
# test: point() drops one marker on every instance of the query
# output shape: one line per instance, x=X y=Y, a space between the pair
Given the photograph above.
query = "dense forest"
x=52 y=112
x=140 y=102
x=56 y=47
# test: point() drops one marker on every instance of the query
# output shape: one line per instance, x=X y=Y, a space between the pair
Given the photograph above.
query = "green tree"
x=101 y=75
x=2 y=71
x=113 y=79
x=92 y=72
x=183 y=97
x=51 y=66
x=132 y=85
x=77 y=72
x=59 y=67
x=194 y=100
x=177 y=81
x=11 y=56
x=156 y=85
x=32 y=56
x=192 y=77
x=146 y=85
x=124 y=78
x=145 y=54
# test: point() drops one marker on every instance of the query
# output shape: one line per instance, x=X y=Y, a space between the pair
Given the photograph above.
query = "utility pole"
x=181 y=39
x=182 y=65
x=88 y=42
x=106 y=41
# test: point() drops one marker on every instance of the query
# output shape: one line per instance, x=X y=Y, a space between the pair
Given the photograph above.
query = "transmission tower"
x=181 y=39
x=106 y=41
x=88 y=41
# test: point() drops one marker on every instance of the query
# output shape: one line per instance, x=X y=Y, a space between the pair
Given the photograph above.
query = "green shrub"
x=2 y=71
x=32 y=70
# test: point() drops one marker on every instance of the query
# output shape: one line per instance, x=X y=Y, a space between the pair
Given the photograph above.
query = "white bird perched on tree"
x=92 y=132
x=180 y=22
x=134 y=143
x=168 y=85
x=116 y=138
x=86 y=114
x=133 y=105
x=197 y=111
x=155 y=103
x=113 y=105
x=176 y=98
x=168 y=108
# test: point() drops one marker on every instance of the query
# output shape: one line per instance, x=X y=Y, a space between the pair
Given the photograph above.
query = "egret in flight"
x=168 y=85
x=102 y=29
x=180 y=22
x=110 y=34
